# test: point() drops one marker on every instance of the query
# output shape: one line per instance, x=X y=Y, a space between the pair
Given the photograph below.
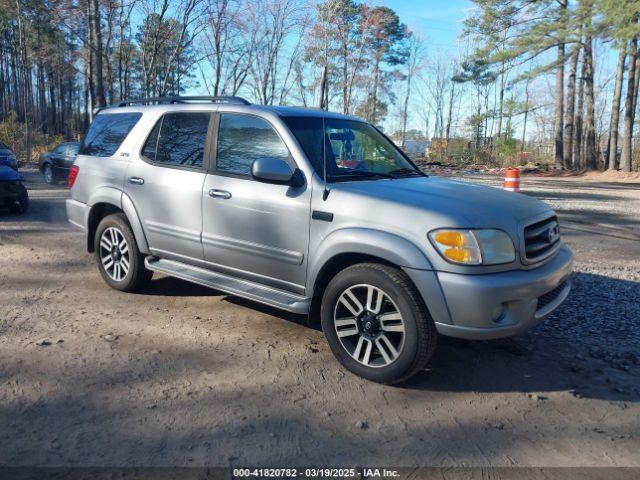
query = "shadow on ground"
x=565 y=352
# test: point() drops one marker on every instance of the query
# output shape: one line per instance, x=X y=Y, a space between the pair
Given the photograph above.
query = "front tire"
x=120 y=262
x=377 y=324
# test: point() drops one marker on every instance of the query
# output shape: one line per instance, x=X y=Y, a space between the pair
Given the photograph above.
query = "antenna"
x=325 y=192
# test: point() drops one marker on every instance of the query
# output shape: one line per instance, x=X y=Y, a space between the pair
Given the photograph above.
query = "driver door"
x=250 y=229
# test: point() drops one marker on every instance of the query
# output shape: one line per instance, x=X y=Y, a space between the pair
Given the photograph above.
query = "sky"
x=439 y=22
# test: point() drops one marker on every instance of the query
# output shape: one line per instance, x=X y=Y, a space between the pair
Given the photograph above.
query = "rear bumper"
x=77 y=214
x=512 y=298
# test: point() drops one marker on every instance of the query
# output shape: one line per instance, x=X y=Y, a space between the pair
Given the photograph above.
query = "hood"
x=9 y=174
x=471 y=204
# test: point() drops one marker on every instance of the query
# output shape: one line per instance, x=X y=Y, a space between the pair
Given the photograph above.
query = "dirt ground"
x=183 y=375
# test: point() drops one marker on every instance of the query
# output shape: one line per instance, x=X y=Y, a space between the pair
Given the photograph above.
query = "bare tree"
x=273 y=21
x=627 y=141
x=590 y=129
x=571 y=98
x=615 y=109
x=414 y=62
x=231 y=43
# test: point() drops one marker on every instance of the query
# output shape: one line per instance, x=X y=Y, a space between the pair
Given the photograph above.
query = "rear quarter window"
x=107 y=132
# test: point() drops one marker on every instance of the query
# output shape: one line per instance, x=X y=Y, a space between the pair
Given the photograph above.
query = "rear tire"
x=120 y=262
x=376 y=323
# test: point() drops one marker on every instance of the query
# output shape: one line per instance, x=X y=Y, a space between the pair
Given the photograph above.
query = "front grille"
x=541 y=239
x=551 y=295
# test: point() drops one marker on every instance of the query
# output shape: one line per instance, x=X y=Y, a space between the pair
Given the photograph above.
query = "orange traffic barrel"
x=512 y=179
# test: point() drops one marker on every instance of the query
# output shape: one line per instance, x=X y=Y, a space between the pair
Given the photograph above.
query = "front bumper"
x=10 y=192
x=472 y=300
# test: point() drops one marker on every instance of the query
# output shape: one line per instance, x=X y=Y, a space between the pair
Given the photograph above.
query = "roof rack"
x=172 y=100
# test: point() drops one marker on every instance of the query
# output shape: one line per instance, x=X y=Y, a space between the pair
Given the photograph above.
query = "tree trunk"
x=636 y=86
x=405 y=108
x=627 y=141
x=615 y=110
x=323 y=88
x=571 y=100
x=559 y=112
x=501 y=104
x=526 y=114
x=578 y=162
x=345 y=77
x=23 y=51
x=449 y=115
x=374 y=94
x=591 y=161
x=96 y=47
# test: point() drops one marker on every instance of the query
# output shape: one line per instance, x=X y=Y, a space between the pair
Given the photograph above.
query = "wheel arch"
x=97 y=212
x=107 y=206
x=350 y=246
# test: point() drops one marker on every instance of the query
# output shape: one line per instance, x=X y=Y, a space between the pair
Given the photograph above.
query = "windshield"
x=354 y=149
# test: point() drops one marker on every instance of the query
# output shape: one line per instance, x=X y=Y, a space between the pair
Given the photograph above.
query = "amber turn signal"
x=450 y=238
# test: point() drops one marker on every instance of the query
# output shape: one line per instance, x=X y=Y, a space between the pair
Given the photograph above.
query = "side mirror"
x=274 y=170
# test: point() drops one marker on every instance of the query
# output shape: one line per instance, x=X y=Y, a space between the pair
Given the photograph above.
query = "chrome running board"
x=231 y=285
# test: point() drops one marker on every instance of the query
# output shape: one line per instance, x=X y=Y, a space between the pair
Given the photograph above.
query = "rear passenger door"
x=165 y=184
x=255 y=230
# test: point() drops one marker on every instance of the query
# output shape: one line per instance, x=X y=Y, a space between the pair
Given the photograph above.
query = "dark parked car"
x=13 y=194
x=55 y=164
x=7 y=157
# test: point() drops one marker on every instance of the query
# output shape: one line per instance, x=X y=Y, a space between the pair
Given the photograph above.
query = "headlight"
x=474 y=247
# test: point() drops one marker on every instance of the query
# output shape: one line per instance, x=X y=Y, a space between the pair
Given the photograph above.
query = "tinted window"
x=59 y=150
x=244 y=138
x=178 y=139
x=72 y=149
x=107 y=132
x=352 y=148
x=149 y=149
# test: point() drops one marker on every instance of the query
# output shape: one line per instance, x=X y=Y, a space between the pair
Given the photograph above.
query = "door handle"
x=136 y=180
x=219 y=194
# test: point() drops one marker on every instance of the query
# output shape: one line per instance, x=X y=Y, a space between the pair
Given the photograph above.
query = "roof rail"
x=178 y=99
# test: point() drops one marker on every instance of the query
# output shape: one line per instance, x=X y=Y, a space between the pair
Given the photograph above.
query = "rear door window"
x=178 y=140
x=107 y=132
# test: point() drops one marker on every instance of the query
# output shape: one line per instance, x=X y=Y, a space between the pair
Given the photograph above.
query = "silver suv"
x=315 y=213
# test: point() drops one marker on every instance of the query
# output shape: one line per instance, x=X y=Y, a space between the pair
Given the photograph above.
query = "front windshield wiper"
x=361 y=174
x=405 y=172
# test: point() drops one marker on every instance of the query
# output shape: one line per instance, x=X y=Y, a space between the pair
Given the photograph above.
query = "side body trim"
x=280 y=254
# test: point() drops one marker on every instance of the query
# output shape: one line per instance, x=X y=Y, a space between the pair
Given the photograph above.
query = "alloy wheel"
x=114 y=254
x=369 y=325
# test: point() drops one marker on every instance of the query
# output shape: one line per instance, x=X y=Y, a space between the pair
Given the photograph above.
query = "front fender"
x=391 y=248
x=377 y=243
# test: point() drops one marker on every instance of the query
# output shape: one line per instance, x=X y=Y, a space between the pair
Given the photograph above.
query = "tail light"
x=73 y=174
